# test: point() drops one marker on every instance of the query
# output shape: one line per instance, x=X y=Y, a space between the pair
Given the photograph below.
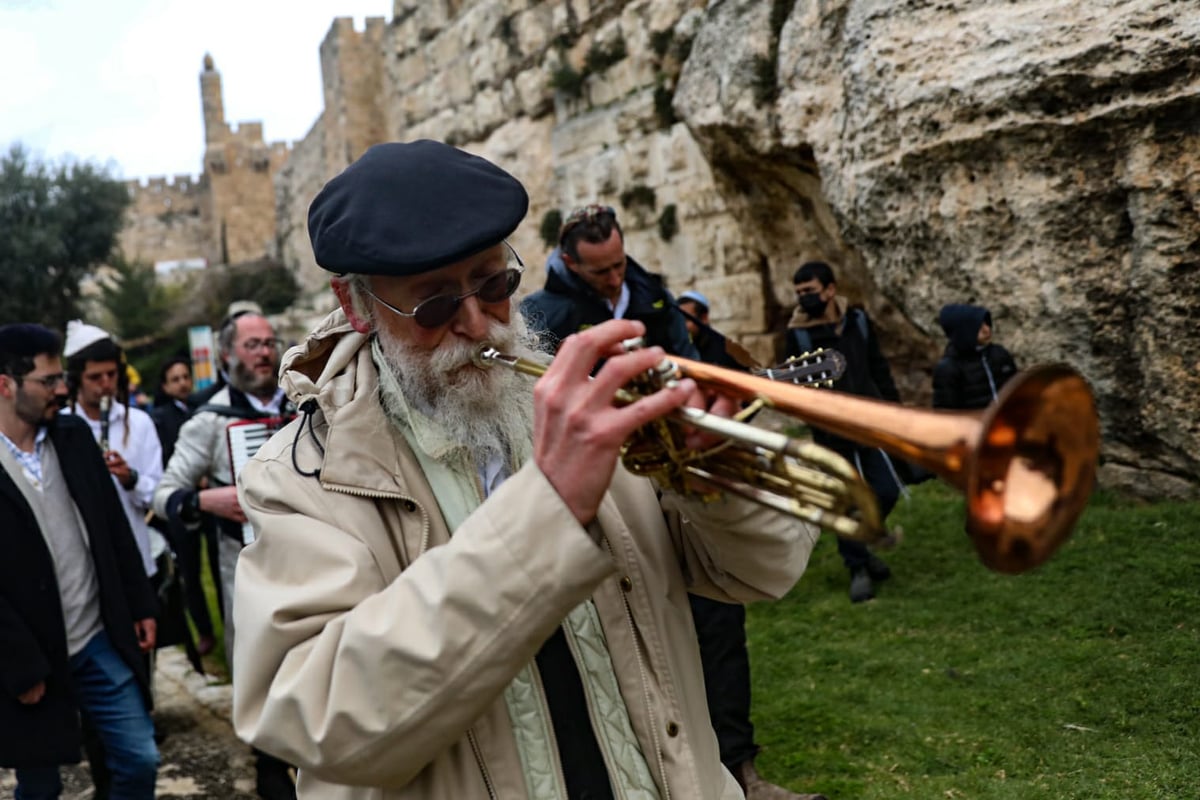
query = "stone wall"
x=167 y=221
x=1039 y=158
x=1035 y=156
x=240 y=170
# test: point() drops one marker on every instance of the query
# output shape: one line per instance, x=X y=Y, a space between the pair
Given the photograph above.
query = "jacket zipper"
x=353 y=492
x=487 y=779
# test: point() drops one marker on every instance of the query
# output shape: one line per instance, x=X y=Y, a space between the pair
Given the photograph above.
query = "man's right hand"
x=578 y=428
x=33 y=695
x=222 y=502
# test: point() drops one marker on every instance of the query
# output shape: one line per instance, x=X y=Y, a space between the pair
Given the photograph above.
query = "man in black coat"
x=824 y=319
x=973 y=368
x=76 y=607
x=590 y=279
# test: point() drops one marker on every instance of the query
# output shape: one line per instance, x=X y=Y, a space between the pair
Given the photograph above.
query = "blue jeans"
x=109 y=697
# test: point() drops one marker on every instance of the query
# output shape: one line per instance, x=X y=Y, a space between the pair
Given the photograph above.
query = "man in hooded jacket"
x=973 y=369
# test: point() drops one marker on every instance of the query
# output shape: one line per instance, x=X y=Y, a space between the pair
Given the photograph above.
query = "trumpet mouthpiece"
x=485 y=355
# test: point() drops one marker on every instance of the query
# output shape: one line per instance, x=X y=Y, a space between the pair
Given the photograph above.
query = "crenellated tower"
x=212 y=103
x=239 y=169
x=227 y=215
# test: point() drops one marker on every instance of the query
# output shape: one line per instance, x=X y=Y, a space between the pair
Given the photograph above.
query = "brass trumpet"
x=1026 y=464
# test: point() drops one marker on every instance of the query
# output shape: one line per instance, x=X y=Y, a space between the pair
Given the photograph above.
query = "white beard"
x=488 y=410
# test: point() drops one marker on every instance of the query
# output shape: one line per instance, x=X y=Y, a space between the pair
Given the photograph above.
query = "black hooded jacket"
x=969 y=376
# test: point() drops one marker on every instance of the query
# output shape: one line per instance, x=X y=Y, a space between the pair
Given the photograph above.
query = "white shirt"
x=619 y=308
x=143 y=452
x=271 y=407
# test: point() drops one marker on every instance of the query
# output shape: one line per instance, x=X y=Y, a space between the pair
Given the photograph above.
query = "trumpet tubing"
x=1026 y=464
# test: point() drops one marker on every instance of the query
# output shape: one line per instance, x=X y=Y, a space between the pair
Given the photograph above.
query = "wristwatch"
x=133 y=474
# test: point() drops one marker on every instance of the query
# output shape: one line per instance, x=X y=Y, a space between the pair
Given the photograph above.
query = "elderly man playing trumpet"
x=456 y=590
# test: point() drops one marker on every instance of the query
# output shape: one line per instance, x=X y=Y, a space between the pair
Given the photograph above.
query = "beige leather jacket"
x=373 y=648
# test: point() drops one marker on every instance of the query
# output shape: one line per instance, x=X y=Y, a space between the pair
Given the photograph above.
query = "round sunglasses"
x=440 y=309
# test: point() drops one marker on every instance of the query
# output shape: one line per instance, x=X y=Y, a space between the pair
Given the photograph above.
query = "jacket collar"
x=560 y=280
x=333 y=369
x=801 y=320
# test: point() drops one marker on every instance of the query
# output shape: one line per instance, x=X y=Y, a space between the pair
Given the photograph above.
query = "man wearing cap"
x=199 y=478
x=76 y=608
x=456 y=591
x=95 y=375
x=709 y=343
x=590 y=279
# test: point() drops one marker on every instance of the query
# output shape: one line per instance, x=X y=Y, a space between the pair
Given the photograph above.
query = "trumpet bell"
x=1033 y=469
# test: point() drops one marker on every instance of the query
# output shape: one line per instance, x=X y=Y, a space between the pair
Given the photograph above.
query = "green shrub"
x=765 y=83
x=639 y=195
x=568 y=80
x=668 y=223
x=551 y=225
x=600 y=57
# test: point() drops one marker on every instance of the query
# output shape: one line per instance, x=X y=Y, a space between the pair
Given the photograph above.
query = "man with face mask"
x=824 y=319
x=250 y=350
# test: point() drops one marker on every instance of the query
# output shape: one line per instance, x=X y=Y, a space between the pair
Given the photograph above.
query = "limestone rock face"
x=1041 y=158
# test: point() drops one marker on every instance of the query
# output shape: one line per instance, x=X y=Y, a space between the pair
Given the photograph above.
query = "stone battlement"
x=160 y=184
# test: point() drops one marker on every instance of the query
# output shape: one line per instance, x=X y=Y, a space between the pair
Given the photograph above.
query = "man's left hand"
x=119 y=468
x=714 y=403
x=147 y=632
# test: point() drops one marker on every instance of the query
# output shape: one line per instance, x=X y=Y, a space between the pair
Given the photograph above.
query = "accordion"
x=244 y=438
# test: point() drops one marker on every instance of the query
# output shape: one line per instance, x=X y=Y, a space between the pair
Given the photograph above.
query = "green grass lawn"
x=1080 y=679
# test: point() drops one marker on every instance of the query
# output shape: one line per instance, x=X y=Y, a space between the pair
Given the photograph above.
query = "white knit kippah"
x=80 y=335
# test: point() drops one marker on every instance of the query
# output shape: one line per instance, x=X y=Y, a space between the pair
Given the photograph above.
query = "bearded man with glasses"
x=76 y=607
x=198 y=479
x=455 y=590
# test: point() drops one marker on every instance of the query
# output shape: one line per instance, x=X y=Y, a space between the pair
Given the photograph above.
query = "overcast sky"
x=116 y=82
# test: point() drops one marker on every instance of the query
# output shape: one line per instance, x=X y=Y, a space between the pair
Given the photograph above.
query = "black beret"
x=408 y=208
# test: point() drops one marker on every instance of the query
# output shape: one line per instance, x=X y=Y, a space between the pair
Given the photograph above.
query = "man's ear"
x=569 y=262
x=341 y=289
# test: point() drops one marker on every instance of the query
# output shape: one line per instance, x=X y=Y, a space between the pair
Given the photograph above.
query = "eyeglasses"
x=48 y=381
x=257 y=344
x=440 y=309
x=588 y=213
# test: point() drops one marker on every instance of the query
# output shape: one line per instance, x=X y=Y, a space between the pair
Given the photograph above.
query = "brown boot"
x=758 y=789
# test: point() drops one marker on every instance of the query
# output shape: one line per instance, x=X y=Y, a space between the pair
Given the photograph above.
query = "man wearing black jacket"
x=823 y=319
x=973 y=369
x=590 y=279
x=76 y=607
